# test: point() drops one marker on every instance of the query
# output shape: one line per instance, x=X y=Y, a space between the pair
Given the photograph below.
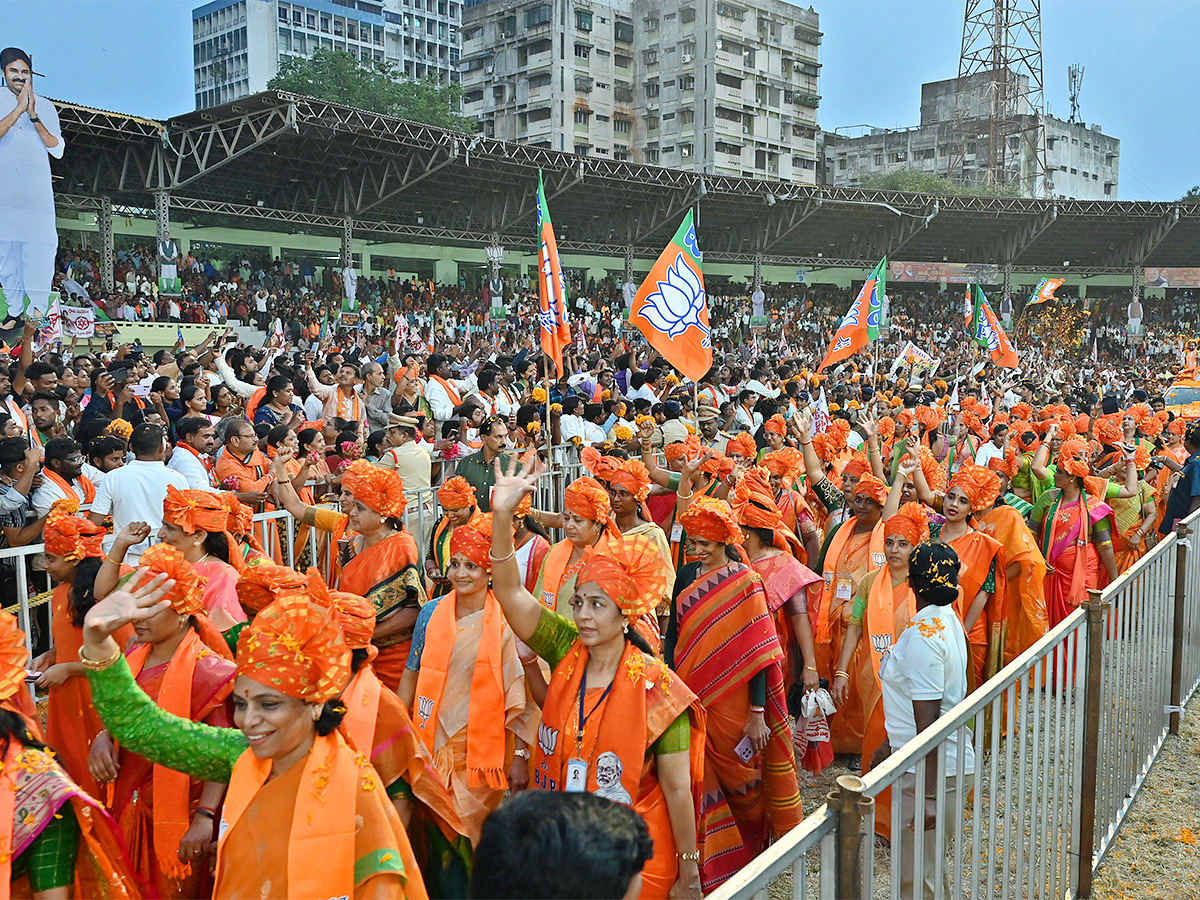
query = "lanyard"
x=583 y=720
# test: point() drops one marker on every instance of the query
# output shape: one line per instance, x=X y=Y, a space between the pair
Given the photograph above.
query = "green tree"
x=339 y=77
x=935 y=185
x=1192 y=196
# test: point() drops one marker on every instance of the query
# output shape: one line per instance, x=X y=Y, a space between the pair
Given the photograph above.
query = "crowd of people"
x=422 y=654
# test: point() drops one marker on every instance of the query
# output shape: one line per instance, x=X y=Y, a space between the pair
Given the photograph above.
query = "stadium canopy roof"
x=303 y=164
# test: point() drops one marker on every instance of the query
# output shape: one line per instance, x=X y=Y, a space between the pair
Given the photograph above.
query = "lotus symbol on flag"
x=676 y=305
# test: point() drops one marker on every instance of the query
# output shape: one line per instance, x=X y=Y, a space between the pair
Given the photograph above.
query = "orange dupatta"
x=321 y=837
x=556 y=572
x=485 y=721
x=68 y=489
x=832 y=555
x=451 y=391
x=171 y=788
x=361 y=698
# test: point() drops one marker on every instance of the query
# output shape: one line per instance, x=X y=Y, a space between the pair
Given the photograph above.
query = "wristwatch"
x=34 y=119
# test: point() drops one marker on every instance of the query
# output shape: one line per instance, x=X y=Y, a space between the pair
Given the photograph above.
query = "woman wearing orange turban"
x=982 y=604
x=304 y=815
x=628 y=487
x=783 y=467
x=197 y=524
x=384 y=566
x=723 y=643
x=883 y=606
x=643 y=740
x=183 y=664
x=457 y=498
x=587 y=524
x=793 y=589
x=856 y=548
x=775 y=430
x=62 y=842
x=742 y=446
x=466 y=687
x=73 y=560
x=1076 y=535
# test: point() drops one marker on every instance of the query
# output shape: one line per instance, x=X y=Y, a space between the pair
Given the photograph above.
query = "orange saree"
x=1026 y=593
x=977 y=552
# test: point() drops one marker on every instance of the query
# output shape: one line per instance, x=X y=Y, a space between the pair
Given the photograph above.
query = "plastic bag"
x=811 y=737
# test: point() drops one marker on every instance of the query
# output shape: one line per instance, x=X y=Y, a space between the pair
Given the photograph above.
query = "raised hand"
x=511 y=486
x=124 y=606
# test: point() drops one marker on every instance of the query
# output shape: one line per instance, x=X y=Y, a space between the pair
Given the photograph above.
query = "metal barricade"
x=792 y=860
x=1188 y=609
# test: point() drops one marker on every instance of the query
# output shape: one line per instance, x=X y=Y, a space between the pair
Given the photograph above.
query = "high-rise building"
x=707 y=85
x=238 y=45
x=1081 y=162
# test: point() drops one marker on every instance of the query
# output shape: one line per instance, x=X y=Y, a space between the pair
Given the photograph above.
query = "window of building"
x=842 y=163
x=668 y=150
x=688 y=49
x=687 y=15
x=687 y=116
x=600 y=118
x=731 y=81
x=687 y=82
x=623 y=32
x=540 y=80
x=686 y=151
x=667 y=117
x=583 y=19
x=879 y=159
x=669 y=83
x=650 y=57
x=581 y=149
x=651 y=89
x=621 y=154
x=651 y=123
x=651 y=154
x=473 y=96
x=729 y=11
x=622 y=125
x=621 y=61
x=283 y=13
x=582 y=116
x=1074 y=171
x=539 y=15
x=582 y=51
x=325 y=24
x=1108 y=189
x=539 y=115
x=651 y=24
x=498 y=92
x=506 y=28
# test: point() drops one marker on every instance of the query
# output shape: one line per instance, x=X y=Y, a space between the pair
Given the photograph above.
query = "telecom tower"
x=1002 y=39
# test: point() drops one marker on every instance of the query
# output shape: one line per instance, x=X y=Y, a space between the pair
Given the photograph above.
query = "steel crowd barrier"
x=1064 y=737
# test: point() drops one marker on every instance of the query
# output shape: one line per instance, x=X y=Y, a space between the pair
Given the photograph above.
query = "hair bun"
x=933 y=572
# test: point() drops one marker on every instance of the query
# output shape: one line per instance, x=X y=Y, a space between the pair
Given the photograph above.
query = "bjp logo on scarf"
x=424 y=710
x=547 y=739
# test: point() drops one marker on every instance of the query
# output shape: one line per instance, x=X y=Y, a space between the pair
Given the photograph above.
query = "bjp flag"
x=552 y=287
x=671 y=308
x=987 y=332
x=861 y=324
x=1044 y=292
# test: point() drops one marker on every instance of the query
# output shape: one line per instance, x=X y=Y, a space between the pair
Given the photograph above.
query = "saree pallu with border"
x=1027 y=620
x=977 y=552
x=726 y=637
x=1069 y=549
x=388 y=574
x=34 y=791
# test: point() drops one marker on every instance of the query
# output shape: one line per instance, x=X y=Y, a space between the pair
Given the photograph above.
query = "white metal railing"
x=1064 y=737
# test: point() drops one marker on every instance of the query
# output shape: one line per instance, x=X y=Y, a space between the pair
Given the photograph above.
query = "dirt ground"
x=1157 y=852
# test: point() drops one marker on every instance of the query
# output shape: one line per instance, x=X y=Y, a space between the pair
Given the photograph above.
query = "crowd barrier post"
x=1094 y=607
x=856 y=836
x=1179 y=633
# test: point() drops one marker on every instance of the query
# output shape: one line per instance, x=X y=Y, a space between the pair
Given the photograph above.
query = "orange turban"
x=837 y=432
x=524 y=508
x=474 y=541
x=632 y=571
x=70 y=536
x=1006 y=464
x=357 y=617
x=742 y=444
x=600 y=466
x=887 y=429
x=785 y=461
x=263 y=582
x=296 y=646
x=381 y=490
x=1178 y=426
x=675 y=450
x=858 y=466
x=457 y=493
x=630 y=474
x=1073 y=459
x=935 y=475
x=911 y=522
x=1022 y=410
x=712 y=520
x=241 y=516
x=587 y=497
x=1108 y=429
x=928 y=417
x=873 y=487
x=754 y=501
x=905 y=416
x=1141 y=413
x=13 y=656
x=1082 y=421
x=981 y=486
x=776 y=424
x=187 y=596
x=195 y=510
x=1153 y=426
x=719 y=464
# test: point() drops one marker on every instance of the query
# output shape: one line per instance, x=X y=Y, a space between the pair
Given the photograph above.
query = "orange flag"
x=552 y=287
x=671 y=308
x=861 y=324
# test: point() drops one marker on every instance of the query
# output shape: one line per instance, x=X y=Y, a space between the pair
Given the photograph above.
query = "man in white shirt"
x=993 y=449
x=571 y=424
x=63 y=477
x=135 y=492
x=442 y=392
x=192 y=456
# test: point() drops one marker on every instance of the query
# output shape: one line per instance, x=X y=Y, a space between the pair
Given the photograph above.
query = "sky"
x=1141 y=68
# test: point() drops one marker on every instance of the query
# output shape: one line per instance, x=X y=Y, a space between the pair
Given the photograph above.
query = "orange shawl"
x=69 y=490
x=1026 y=600
x=833 y=555
x=485 y=724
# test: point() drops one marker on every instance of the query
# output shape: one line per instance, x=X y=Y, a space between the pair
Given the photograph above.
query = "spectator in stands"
x=44 y=413
x=479 y=469
x=105 y=454
x=63 y=477
x=112 y=396
x=192 y=456
x=19 y=465
x=135 y=492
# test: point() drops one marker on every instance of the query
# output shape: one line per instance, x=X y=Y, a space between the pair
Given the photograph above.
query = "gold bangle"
x=687 y=496
x=496 y=561
x=98 y=665
x=845 y=675
x=689 y=857
x=810 y=668
x=115 y=562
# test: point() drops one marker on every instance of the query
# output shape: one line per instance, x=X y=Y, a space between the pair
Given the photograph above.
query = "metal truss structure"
x=296 y=162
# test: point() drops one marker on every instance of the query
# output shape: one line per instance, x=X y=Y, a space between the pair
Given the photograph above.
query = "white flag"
x=821 y=418
x=79 y=321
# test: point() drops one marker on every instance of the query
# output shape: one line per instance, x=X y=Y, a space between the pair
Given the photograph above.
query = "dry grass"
x=1157 y=853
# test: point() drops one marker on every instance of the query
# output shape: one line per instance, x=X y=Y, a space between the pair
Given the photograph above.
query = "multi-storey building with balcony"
x=709 y=85
x=238 y=45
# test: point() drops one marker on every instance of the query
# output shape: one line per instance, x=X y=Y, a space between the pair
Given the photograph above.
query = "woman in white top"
x=923 y=676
